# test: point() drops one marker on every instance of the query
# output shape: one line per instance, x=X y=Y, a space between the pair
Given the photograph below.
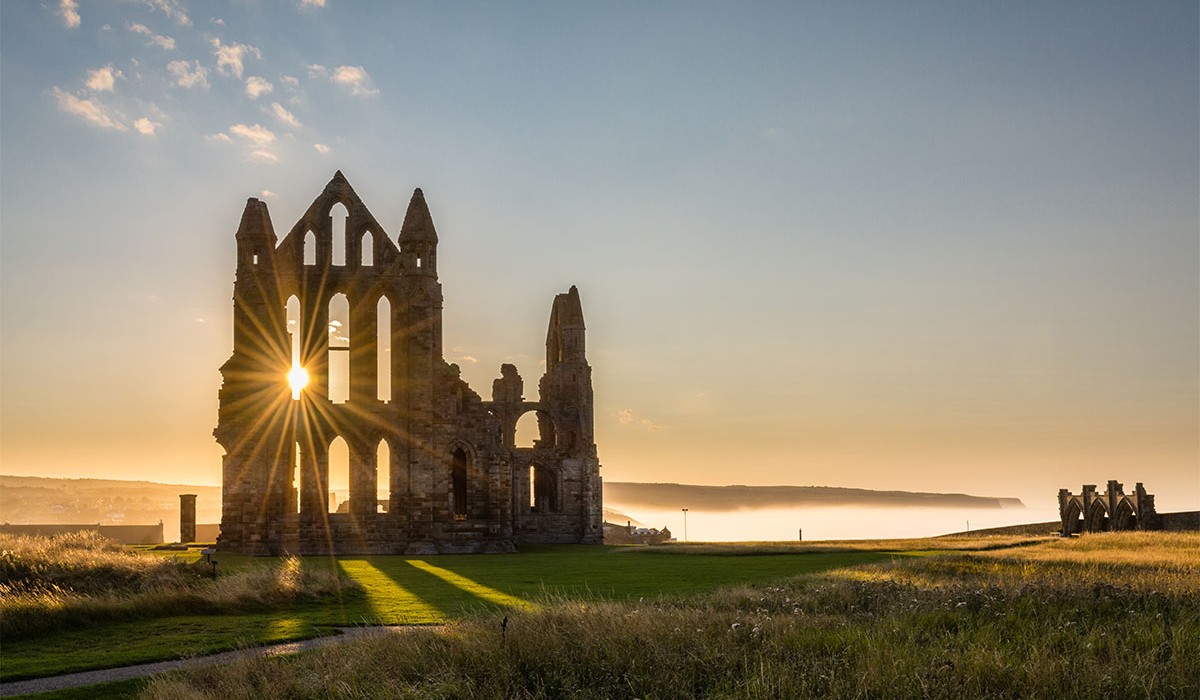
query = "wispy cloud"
x=256 y=86
x=188 y=75
x=103 y=79
x=145 y=127
x=163 y=42
x=321 y=148
x=266 y=194
x=257 y=139
x=353 y=78
x=285 y=116
x=231 y=57
x=257 y=135
x=69 y=11
x=312 y=3
x=172 y=9
x=217 y=21
x=88 y=109
x=628 y=417
x=356 y=79
x=290 y=80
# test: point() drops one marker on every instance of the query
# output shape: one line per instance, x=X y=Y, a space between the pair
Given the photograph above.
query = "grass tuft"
x=49 y=583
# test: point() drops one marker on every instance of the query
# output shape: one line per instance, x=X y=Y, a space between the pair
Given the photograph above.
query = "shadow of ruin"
x=365 y=325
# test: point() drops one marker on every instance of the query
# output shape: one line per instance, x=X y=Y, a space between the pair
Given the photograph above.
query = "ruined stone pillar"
x=187 y=517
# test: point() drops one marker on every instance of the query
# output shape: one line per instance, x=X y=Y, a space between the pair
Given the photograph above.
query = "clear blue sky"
x=942 y=246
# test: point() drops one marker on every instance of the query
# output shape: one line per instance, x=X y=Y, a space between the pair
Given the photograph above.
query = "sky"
x=934 y=246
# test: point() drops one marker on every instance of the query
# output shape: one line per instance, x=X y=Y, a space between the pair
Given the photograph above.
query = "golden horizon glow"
x=297 y=379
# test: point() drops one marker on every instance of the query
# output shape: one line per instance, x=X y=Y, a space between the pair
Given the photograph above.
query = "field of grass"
x=1107 y=616
x=392 y=590
x=1102 y=615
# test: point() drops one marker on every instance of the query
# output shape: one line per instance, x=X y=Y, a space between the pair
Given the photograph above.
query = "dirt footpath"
x=108 y=675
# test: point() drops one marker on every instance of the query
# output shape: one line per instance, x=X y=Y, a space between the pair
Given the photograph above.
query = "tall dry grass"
x=959 y=625
x=48 y=583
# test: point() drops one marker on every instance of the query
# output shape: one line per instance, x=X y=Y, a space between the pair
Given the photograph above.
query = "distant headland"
x=629 y=494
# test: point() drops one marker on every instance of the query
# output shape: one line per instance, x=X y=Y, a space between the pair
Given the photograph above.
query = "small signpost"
x=208 y=552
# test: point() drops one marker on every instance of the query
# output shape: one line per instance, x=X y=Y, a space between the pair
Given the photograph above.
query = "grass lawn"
x=1112 y=615
x=414 y=590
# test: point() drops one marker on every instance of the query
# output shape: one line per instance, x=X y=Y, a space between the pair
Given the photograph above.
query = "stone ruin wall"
x=1108 y=510
x=457 y=482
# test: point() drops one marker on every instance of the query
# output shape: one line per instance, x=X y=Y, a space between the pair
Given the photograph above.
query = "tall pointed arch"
x=383 y=476
x=339 y=474
x=383 y=349
x=338 y=216
x=339 y=349
x=310 y=248
x=460 y=463
x=367 y=249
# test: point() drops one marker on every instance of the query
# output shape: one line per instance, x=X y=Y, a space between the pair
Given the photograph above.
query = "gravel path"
x=79 y=680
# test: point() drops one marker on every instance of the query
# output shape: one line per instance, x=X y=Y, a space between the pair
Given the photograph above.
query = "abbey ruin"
x=433 y=467
x=1111 y=509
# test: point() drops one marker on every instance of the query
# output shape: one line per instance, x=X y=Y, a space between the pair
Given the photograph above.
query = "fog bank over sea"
x=830 y=523
x=778 y=513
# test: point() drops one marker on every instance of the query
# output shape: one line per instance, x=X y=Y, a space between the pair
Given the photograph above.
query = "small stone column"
x=187 y=518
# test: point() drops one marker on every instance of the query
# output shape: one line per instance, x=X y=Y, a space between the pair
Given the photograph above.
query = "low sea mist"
x=829 y=523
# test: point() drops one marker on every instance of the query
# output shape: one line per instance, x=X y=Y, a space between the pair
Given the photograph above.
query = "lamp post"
x=685 y=524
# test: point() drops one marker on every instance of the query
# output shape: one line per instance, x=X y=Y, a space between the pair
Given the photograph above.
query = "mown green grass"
x=1108 y=616
x=407 y=590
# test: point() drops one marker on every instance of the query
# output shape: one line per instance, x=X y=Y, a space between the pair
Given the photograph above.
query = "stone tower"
x=366 y=328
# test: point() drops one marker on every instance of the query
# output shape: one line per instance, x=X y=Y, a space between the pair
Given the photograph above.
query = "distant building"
x=627 y=534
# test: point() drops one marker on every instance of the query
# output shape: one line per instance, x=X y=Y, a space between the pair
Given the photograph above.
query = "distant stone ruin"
x=1110 y=510
x=433 y=467
x=187 y=518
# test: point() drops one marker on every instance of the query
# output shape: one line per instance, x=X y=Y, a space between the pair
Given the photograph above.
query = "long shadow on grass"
x=593 y=573
x=417 y=591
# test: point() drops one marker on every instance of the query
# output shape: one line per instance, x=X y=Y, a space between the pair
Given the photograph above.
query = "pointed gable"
x=316 y=219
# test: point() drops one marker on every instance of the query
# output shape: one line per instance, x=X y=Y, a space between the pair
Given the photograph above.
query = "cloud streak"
x=146 y=127
x=163 y=42
x=231 y=57
x=87 y=109
x=353 y=78
x=285 y=116
x=103 y=79
x=187 y=75
x=628 y=417
x=172 y=9
x=257 y=135
x=256 y=86
x=69 y=11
